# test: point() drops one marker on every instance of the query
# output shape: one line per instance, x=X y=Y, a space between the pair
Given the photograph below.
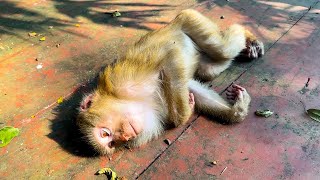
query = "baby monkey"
x=154 y=83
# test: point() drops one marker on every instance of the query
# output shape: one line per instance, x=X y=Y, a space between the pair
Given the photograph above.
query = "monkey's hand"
x=241 y=100
x=253 y=50
x=191 y=102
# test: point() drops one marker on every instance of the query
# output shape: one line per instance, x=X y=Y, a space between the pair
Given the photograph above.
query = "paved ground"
x=81 y=37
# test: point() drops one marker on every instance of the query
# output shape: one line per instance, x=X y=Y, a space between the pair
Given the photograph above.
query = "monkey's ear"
x=86 y=102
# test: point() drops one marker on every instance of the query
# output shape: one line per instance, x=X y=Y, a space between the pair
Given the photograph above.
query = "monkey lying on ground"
x=154 y=83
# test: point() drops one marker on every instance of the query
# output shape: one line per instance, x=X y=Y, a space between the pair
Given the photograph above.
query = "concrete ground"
x=81 y=37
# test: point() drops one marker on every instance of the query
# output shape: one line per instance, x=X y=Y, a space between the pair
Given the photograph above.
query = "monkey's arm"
x=177 y=97
x=211 y=103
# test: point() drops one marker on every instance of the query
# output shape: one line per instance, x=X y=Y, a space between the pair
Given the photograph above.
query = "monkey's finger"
x=191 y=98
x=230 y=90
x=230 y=93
x=239 y=95
x=231 y=97
x=254 y=52
x=238 y=87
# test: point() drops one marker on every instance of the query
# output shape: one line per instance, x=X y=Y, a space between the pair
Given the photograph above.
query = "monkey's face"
x=108 y=122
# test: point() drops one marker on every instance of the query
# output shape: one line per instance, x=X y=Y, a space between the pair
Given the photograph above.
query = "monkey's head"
x=108 y=122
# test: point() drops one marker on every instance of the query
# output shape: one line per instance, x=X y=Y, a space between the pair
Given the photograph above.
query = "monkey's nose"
x=125 y=137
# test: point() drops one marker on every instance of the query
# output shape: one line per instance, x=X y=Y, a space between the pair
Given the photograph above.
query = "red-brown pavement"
x=84 y=38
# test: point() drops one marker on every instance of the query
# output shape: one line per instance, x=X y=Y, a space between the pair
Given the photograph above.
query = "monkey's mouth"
x=134 y=130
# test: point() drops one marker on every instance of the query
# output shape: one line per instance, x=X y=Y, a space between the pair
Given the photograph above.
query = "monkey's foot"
x=253 y=50
x=191 y=101
x=241 y=100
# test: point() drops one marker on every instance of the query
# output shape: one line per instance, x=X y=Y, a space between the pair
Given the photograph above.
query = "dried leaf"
x=314 y=114
x=111 y=175
x=7 y=133
x=264 y=113
x=77 y=25
x=116 y=14
x=42 y=39
x=32 y=34
x=60 y=100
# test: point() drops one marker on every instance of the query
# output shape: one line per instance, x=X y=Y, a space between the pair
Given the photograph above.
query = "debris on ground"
x=245 y=159
x=307 y=84
x=57 y=45
x=32 y=34
x=221 y=17
x=223 y=170
x=212 y=163
x=167 y=141
x=215 y=162
x=50 y=27
x=39 y=66
x=304 y=90
x=111 y=175
x=7 y=133
x=116 y=14
x=314 y=114
x=305 y=87
x=264 y=113
x=60 y=100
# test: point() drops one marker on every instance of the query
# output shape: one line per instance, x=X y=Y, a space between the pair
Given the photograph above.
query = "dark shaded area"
x=128 y=18
x=63 y=127
x=13 y=18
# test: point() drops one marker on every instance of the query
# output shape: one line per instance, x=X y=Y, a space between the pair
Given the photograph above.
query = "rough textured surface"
x=84 y=38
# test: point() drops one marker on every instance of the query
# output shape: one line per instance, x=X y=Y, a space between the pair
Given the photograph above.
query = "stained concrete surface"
x=84 y=38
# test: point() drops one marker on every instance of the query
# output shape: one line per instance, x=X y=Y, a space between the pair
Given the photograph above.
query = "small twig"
x=223 y=170
x=307 y=84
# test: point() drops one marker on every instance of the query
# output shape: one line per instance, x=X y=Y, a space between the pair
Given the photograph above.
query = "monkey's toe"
x=254 y=49
x=191 y=101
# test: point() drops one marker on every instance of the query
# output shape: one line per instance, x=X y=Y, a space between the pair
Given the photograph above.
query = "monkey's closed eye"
x=105 y=132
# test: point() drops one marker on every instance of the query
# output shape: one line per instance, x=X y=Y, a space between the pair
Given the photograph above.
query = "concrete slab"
x=89 y=39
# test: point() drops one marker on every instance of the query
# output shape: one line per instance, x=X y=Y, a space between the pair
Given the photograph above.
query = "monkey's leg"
x=222 y=47
x=211 y=103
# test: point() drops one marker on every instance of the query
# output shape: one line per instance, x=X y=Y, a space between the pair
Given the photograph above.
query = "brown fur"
x=158 y=72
